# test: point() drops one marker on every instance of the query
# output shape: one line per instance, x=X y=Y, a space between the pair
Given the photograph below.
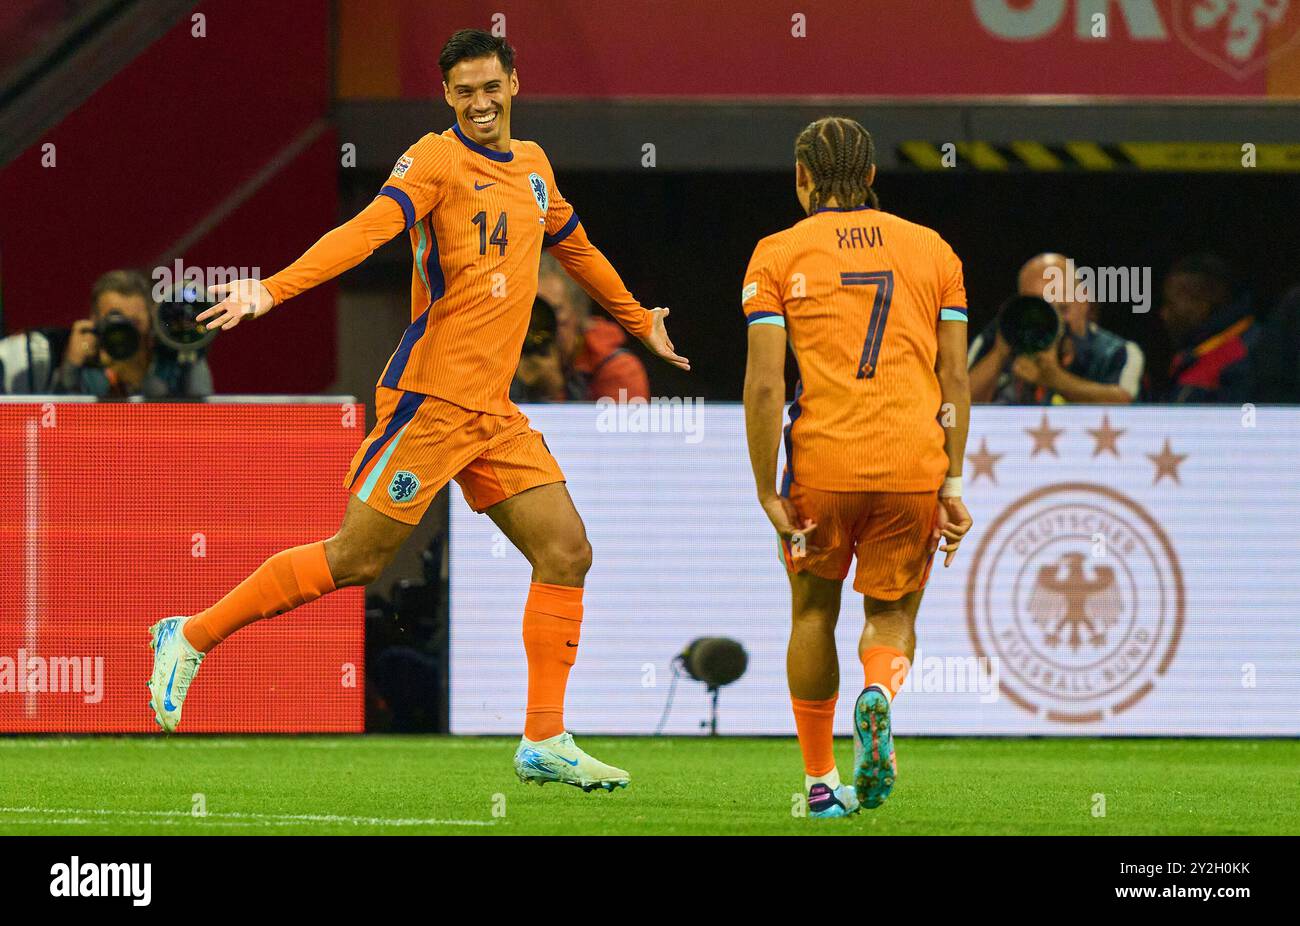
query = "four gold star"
x=984 y=461
x=1106 y=437
x=1044 y=437
x=1167 y=463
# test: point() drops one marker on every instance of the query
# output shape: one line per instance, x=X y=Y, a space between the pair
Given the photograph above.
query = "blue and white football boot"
x=825 y=802
x=175 y=663
x=560 y=759
x=874 y=767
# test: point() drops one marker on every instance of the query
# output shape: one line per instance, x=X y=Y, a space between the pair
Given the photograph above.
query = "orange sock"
x=885 y=666
x=552 y=624
x=815 y=721
x=286 y=580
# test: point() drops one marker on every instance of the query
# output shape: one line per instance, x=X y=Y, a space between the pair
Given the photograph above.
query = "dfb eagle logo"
x=1064 y=599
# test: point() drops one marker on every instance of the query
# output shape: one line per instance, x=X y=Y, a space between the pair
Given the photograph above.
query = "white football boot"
x=560 y=759
x=175 y=663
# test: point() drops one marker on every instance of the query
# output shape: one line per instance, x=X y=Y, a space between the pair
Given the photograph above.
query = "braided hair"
x=838 y=152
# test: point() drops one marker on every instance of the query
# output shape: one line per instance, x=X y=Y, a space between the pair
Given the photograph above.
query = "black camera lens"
x=1029 y=324
x=175 y=319
x=118 y=336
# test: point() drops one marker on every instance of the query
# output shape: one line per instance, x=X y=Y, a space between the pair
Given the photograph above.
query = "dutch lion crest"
x=403 y=486
x=539 y=191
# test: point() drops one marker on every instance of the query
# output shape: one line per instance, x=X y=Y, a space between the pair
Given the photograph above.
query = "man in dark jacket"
x=1213 y=333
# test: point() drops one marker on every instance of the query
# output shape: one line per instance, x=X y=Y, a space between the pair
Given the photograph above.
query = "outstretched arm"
x=339 y=250
x=594 y=273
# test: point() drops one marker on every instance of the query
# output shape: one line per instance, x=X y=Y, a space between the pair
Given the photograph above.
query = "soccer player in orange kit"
x=874 y=309
x=478 y=207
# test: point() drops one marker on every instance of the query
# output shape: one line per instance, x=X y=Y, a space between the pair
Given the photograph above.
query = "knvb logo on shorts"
x=403 y=487
x=1078 y=638
x=76 y=878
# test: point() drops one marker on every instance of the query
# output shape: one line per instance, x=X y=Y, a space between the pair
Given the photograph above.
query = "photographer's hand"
x=1041 y=369
x=243 y=299
x=83 y=344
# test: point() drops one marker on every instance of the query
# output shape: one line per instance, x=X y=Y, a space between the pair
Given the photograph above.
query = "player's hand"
x=952 y=524
x=660 y=344
x=791 y=528
x=243 y=299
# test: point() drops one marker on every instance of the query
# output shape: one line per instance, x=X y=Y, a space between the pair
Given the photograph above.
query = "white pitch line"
x=168 y=817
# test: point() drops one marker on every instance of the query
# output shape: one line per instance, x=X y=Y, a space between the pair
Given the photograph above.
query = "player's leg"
x=888 y=640
x=356 y=555
x=813 y=672
x=894 y=555
x=518 y=484
x=364 y=545
x=412 y=439
x=812 y=665
x=545 y=526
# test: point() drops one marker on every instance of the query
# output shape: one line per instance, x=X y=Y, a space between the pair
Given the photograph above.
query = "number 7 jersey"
x=860 y=293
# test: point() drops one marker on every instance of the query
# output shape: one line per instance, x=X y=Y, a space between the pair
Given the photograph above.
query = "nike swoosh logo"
x=574 y=763
x=484 y=186
x=167 y=698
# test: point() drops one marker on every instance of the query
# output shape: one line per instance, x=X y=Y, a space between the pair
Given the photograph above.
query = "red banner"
x=115 y=515
x=876 y=48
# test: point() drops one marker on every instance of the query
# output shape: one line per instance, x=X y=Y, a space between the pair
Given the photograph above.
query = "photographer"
x=588 y=361
x=1086 y=363
x=540 y=374
x=114 y=353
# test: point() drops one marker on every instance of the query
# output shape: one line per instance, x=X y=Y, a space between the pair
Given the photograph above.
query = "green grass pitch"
x=464 y=785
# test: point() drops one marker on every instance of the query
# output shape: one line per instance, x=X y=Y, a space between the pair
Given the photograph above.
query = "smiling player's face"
x=480 y=91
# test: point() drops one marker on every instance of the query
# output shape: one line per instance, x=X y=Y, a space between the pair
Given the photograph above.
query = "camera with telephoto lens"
x=1029 y=324
x=117 y=335
x=175 y=326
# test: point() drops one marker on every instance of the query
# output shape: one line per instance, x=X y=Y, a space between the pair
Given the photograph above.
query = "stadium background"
x=235 y=149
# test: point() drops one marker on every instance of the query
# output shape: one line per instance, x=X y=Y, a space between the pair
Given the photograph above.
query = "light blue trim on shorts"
x=369 y=485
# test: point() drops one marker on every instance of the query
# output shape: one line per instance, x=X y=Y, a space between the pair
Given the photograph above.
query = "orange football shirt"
x=477 y=220
x=860 y=293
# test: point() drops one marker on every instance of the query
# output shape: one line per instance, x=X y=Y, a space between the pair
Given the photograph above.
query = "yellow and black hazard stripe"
x=1093 y=156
